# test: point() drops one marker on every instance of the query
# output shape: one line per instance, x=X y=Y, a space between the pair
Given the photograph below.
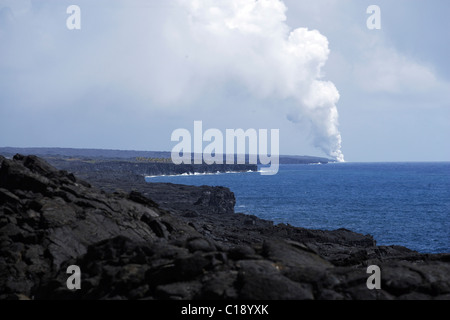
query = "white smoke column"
x=248 y=42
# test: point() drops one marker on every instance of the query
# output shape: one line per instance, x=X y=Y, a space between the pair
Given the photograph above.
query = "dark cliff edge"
x=95 y=168
x=134 y=240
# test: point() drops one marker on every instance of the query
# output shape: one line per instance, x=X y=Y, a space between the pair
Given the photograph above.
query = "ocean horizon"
x=398 y=203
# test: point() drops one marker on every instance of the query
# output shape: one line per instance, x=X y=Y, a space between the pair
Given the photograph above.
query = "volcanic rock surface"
x=134 y=240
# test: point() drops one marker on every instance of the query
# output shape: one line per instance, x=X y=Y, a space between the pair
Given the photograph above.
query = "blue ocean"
x=404 y=204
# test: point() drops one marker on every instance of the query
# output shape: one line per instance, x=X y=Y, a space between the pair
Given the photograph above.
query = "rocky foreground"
x=164 y=241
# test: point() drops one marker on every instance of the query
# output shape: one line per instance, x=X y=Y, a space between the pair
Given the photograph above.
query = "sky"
x=137 y=70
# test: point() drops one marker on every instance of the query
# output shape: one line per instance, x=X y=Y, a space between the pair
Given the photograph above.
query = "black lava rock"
x=134 y=240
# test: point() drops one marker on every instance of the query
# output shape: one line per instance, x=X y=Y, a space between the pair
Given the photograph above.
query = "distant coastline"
x=132 y=155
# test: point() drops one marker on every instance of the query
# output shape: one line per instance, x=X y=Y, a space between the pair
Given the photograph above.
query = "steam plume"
x=249 y=42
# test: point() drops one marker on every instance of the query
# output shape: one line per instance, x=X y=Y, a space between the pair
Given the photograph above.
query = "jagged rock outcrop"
x=129 y=247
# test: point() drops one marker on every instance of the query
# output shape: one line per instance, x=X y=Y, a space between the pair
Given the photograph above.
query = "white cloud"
x=169 y=57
